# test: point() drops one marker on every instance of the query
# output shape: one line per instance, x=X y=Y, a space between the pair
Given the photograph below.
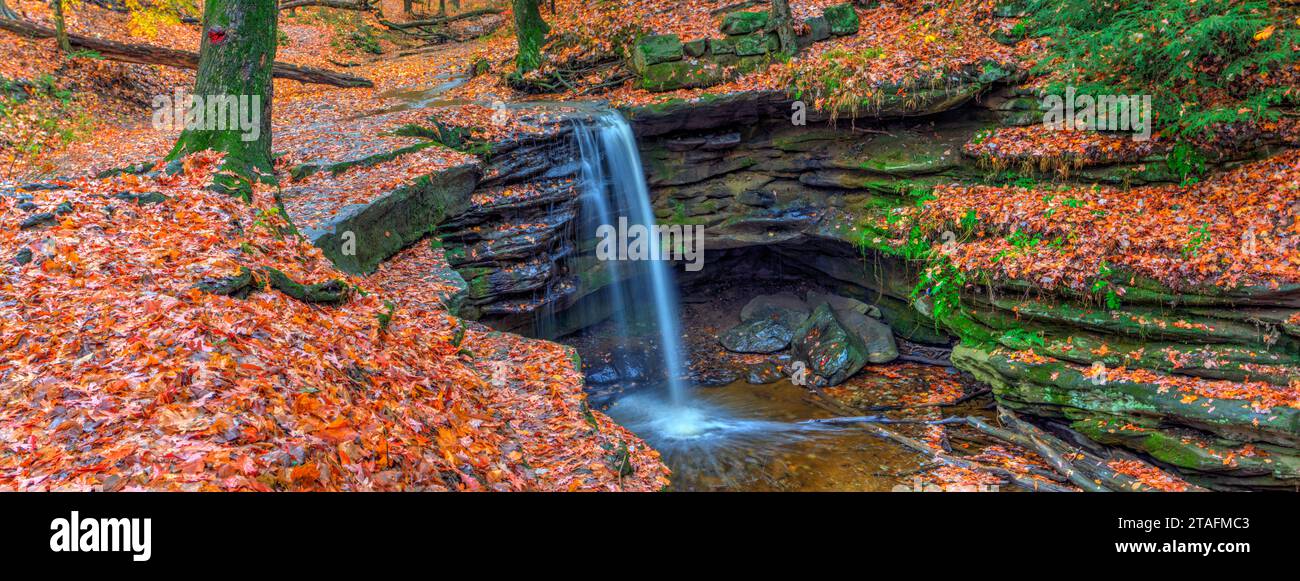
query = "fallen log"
x=156 y=55
x=1087 y=470
x=358 y=5
x=825 y=402
x=441 y=20
x=883 y=420
x=1027 y=483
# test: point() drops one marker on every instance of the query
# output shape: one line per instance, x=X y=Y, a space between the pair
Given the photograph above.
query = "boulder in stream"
x=768 y=323
x=832 y=353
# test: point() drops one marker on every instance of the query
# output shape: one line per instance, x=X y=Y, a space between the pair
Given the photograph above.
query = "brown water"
x=743 y=437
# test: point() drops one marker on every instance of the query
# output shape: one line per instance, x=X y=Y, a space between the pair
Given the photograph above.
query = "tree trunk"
x=783 y=25
x=530 y=31
x=60 y=27
x=442 y=7
x=407 y=7
x=235 y=60
x=5 y=12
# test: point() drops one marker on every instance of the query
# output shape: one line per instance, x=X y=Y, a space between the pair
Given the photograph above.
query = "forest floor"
x=119 y=375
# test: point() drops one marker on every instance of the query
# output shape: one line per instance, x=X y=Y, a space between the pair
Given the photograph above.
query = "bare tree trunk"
x=407 y=7
x=5 y=12
x=530 y=32
x=235 y=61
x=782 y=22
x=61 y=27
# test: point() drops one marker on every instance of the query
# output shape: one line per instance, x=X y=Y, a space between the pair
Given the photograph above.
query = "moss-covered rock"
x=843 y=19
x=1048 y=387
x=706 y=72
x=758 y=43
x=656 y=49
x=695 y=48
x=738 y=23
x=360 y=236
x=721 y=46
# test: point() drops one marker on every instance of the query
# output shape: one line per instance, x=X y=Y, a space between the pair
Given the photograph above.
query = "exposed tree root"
x=247 y=281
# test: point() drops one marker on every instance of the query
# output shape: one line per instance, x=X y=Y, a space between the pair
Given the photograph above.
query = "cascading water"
x=718 y=438
x=615 y=188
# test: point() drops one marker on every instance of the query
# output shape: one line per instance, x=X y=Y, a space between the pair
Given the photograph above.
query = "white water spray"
x=616 y=184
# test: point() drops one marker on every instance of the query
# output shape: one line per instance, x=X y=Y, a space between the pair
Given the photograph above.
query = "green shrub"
x=1202 y=62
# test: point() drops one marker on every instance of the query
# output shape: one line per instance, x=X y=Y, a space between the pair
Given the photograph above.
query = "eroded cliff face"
x=807 y=194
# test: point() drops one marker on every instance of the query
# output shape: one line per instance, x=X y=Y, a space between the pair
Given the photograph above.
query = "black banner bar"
x=303 y=532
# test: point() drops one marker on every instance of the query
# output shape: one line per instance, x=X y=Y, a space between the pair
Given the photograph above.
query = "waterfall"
x=614 y=187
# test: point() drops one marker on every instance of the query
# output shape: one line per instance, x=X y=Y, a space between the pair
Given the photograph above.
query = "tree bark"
x=60 y=26
x=783 y=25
x=530 y=31
x=235 y=60
x=5 y=12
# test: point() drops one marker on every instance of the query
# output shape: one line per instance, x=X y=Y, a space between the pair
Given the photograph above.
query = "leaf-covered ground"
x=120 y=375
x=1237 y=228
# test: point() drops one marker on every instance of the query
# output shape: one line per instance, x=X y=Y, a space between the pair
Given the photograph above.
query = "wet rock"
x=36 y=220
x=620 y=364
x=818 y=28
x=842 y=304
x=831 y=352
x=141 y=198
x=876 y=337
x=714 y=377
x=41 y=187
x=786 y=301
x=24 y=256
x=26 y=206
x=760 y=335
x=757 y=199
x=767 y=324
x=602 y=373
x=764 y=373
x=63 y=208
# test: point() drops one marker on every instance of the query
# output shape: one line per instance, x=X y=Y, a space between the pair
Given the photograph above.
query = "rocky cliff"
x=1202 y=381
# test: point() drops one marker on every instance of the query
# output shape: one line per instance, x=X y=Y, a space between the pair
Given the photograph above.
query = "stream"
x=742 y=437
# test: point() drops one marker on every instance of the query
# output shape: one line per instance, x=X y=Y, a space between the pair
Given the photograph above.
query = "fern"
x=1200 y=61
